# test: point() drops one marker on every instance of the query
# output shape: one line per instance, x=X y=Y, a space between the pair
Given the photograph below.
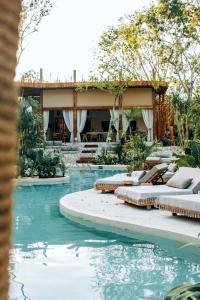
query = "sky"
x=67 y=37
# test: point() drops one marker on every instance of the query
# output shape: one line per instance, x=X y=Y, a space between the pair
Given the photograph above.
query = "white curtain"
x=81 y=119
x=45 y=122
x=148 y=120
x=125 y=122
x=68 y=116
x=114 y=120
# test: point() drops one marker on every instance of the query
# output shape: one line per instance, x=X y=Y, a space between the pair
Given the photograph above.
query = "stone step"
x=91 y=146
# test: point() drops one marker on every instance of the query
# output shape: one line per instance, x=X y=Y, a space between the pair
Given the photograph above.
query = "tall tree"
x=160 y=42
x=33 y=11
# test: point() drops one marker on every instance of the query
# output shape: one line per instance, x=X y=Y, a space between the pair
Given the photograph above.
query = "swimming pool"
x=57 y=259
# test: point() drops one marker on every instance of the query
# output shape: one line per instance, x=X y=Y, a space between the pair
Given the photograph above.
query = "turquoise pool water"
x=57 y=259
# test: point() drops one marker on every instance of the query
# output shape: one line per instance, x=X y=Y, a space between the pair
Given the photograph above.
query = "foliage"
x=159 y=43
x=47 y=164
x=184 y=292
x=133 y=114
x=32 y=13
x=39 y=162
x=186 y=161
x=195 y=151
x=30 y=76
x=26 y=166
x=195 y=116
x=33 y=160
x=136 y=152
x=29 y=126
x=106 y=158
x=137 y=165
x=154 y=43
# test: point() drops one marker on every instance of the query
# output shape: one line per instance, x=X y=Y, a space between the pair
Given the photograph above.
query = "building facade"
x=71 y=113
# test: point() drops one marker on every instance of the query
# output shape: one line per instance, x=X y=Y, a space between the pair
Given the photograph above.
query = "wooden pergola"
x=162 y=114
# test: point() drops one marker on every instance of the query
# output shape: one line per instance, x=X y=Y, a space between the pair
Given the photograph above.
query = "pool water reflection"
x=56 y=259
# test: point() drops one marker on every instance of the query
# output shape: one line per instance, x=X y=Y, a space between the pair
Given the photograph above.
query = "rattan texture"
x=142 y=202
x=9 y=20
x=110 y=187
x=181 y=211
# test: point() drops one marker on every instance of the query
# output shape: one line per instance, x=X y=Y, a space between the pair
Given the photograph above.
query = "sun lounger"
x=186 y=205
x=146 y=195
x=160 y=157
x=136 y=178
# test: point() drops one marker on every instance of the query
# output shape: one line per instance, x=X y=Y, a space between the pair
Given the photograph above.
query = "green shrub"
x=185 y=161
x=195 y=151
x=106 y=158
x=136 y=152
x=47 y=164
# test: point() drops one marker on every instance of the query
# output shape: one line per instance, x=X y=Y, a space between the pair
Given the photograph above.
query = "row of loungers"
x=175 y=196
x=159 y=174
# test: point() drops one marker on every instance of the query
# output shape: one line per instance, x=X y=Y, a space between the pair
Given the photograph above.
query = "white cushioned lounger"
x=146 y=195
x=138 y=177
x=187 y=205
x=118 y=179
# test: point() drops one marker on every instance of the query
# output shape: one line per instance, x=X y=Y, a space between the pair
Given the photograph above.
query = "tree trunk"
x=9 y=21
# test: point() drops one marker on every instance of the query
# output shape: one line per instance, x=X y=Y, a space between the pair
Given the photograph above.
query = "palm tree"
x=133 y=114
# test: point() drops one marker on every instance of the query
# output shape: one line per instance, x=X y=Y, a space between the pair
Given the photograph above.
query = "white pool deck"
x=105 y=209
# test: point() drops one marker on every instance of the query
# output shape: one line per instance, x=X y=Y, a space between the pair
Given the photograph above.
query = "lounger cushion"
x=165 y=154
x=117 y=179
x=154 y=158
x=188 y=202
x=168 y=175
x=169 y=159
x=138 y=174
x=172 y=167
x=152 y=172
x=177 y=181
x=150 y=191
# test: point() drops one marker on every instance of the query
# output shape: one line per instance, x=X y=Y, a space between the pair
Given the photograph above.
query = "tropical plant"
x=195 y=151
x=29 y=126
x=47 y=164
x=133 y=114
x=106 y=158
x=186 y=161
x=33 y=160
x=159 y=43
x=136 y=152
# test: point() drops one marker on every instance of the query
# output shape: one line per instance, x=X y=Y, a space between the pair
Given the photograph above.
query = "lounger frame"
x=111 y=187
x=177 y=210
x=148 y=202
x=155 y=179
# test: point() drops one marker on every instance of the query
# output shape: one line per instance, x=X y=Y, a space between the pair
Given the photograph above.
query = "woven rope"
x=110 y=187
x=140 y=202
x=9 y=19
x=181 y=211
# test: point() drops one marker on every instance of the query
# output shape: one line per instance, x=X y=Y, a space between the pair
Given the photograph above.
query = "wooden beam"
x=75 y=112
x=95 y=107
x=155 y=132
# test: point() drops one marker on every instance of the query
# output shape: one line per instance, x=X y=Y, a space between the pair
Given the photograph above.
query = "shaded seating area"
x=185 y=181
x=154 y=176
